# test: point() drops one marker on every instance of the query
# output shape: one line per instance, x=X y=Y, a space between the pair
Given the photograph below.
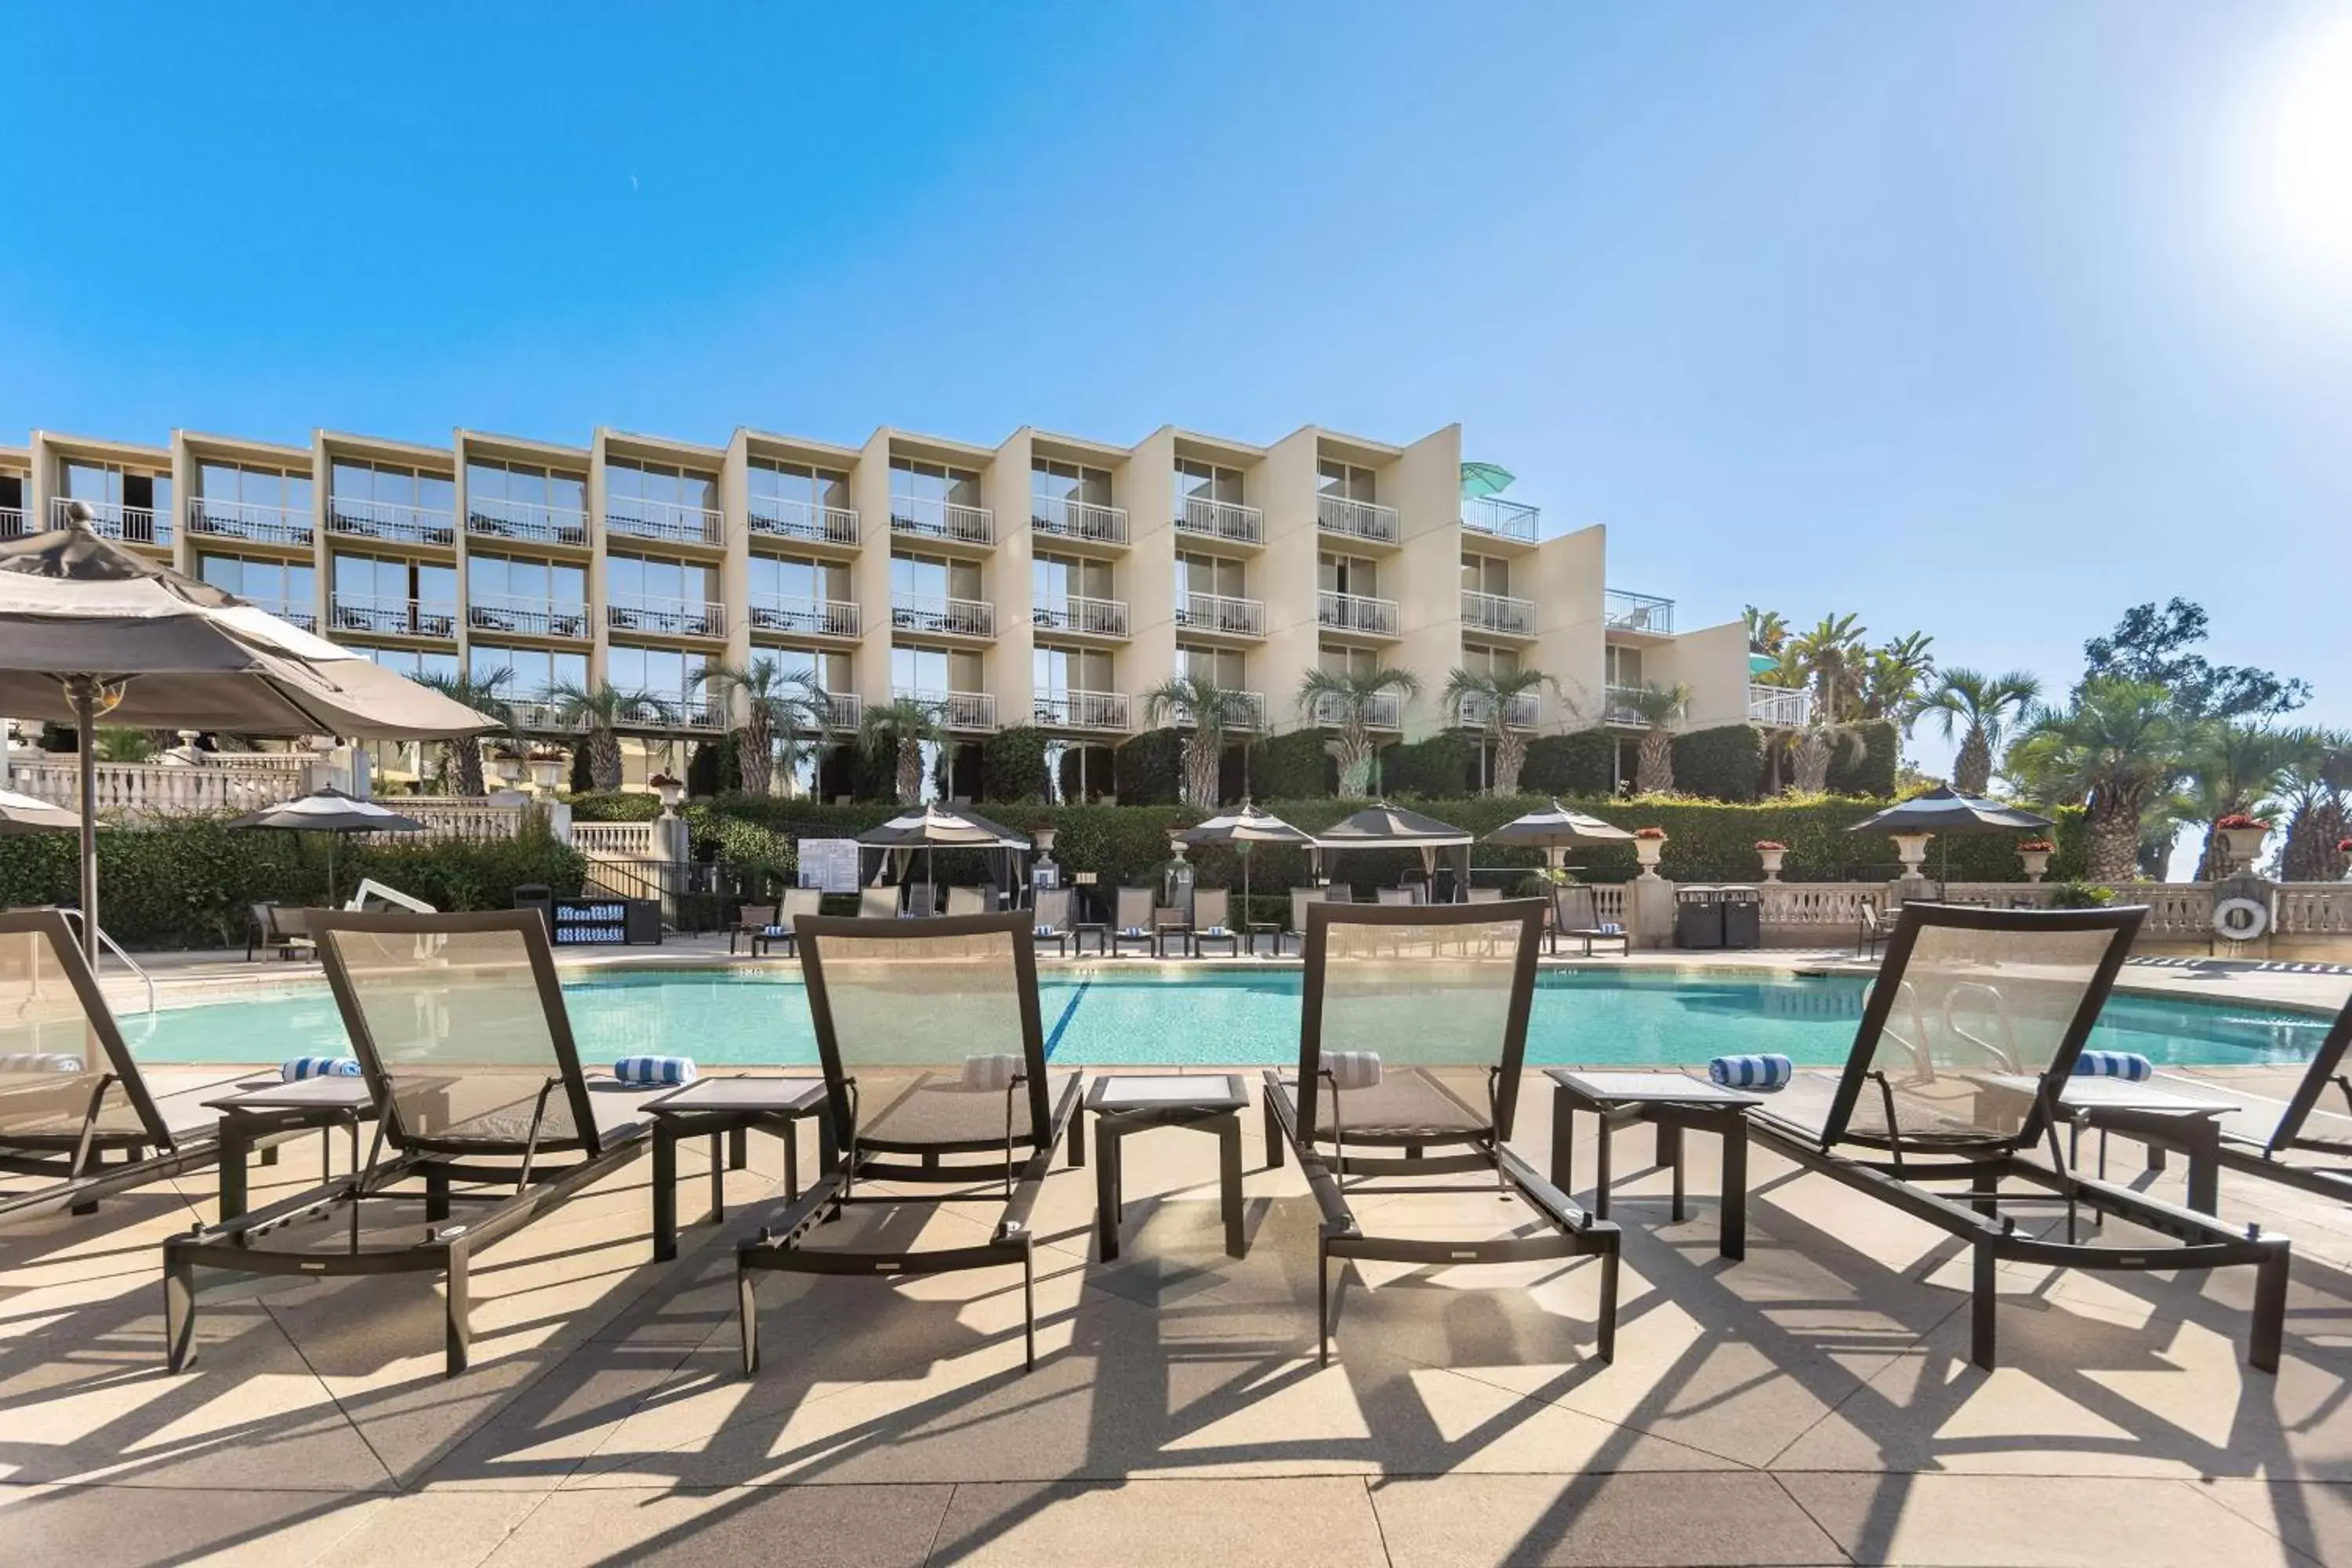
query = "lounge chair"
x=1873 y=934
x=887 y=1000
x=278 y=929
x=76 y=1116
x=1575 y=915
x=1394 y=897
x=757 y=922
x=459 y=1027
x=1300 y=898
x=1966 y=1040
x=1050 y=921
x=1137 y=921
x=1419 y=990
x=922 y=902
x=1486 y=895
x=878 y=903
x=1212 y=920
x=967 y=901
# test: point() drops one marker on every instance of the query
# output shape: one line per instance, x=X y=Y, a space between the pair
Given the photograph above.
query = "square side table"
x=1125 y=1103
x=267 y=1114
x=1673 y=1102
x=733 y=1107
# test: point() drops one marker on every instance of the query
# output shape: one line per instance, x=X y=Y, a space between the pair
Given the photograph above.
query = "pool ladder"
x=73 y=918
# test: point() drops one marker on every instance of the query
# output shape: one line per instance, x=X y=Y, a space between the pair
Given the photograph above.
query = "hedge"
x=1585 y=762
x=1874 y=773
x=1722 y=763
x=1296 y=766
x=1013 y=765
x=1149 y=768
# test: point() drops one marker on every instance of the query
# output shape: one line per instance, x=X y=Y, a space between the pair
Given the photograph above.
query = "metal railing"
x=530 y=617
x=1357 y=519
x=1065 y=517
x=490 y=517
x=1082 y=710
x=74 y=918
x=1498 y=612
x=813 y=617
x=1789 y=706
x=12 y=521
x=674 y=521
x=790 y=517
x=1094 y=618
x=1357 y=613
x=1523 y=712
x=390 y=519
x=545 y=717
x=672 y=617
x=397 y=617
x=845 y=709
x=1626 y=611
x=954 y=617
x=303 y=616
x=1501 y=518
x=700 y=715
x=1382 y=710
x=1221 y=613
x=1617 y=704
x=1248 y=712
x=131 y=524
x=1224 y=520
x=249 y=520
x=958 y=709
x=929 y=517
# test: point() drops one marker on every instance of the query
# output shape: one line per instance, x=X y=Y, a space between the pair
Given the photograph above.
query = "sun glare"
x=2301 y=178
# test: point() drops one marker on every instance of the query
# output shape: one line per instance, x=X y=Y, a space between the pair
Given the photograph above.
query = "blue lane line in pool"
x=1069 y=1009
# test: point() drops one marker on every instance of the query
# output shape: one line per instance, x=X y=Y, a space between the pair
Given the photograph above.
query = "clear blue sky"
x=1983 y=318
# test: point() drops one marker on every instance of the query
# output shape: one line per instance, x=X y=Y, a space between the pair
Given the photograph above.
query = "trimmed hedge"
x=1147 y=770
x=1437 y=768
x=1013 y=765
x=1296 y=766
x=1580 y=763
x=1873 y=774
x=1722 y=763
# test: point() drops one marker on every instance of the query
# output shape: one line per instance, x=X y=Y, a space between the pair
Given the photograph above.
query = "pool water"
x=1632 y=1017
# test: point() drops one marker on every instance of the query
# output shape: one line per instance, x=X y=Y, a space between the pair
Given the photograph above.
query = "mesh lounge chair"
x=887 y=998
x=755 y=921
x=1300 y=898
x=922 y=902
x=1050 y=921
x=278 y=929
x=878 y=903
x=1971 y=1005
x=967 y=901
x=1871 y=934
x=75 y=1115
x=1135 y=921
x=1212 y=920
x=459 y=1027
x=1442 y=989
x=1575 y=915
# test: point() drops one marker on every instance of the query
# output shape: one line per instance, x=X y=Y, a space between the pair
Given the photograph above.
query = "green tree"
x=2316 y=791
x=1344 y=702
x=1204 y=714
x=1892 y=678
x=2158 y=648
x=1481 y=700
x=1982 y=708
x=485 y=693
x=780 y=711
x=2235 y=767
x=1831 y=656
x=1768 y=630
x=895 y=731
x=2117 y=749
x=599 y=713
x=1659 y=707
x=1814 y=745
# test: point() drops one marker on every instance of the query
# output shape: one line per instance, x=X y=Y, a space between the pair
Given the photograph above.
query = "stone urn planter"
x=2242 y=838
x=1911 y=849
x=2037 y=863
x=1771 y=854
x=1649 y=845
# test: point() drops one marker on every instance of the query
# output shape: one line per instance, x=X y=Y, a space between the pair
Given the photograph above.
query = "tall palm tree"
x=1814 y=745
x=1344 y=702
x=2236 y=768
x=1768 y=630
x=1481 y=700
x=2116 y=751
x=895 y=731
x=1205 y=712
x=1659 y=707
x=778 y=708
x=1981 y=707
x=2316 y=793
x=1892 y=677
x=485 y=693
x=1832 y=655
x=599 y=711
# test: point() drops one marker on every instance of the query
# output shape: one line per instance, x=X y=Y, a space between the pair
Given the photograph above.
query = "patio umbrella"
x=1241 y=829
x=936 y=826
x=1485 y=479
x=1555 y=830
x=1385 y=826
x=88 y=629
x=29 y=814
x=1944 y=811
x=333 y=813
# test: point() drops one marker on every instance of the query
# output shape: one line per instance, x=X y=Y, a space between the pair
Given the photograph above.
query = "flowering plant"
x=2344 y=847
x=1649 y=833
x=2036 y=847
x=1769 y=844
x=663 y=780
x=2239 y=819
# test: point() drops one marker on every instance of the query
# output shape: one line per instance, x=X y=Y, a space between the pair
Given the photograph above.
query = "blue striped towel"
x=775 y=930
x=39 y=1061
x=1045 y=930
x=1610 y=927
x=1216 y=931
x=2128 y=1066
x=654 y=1072
x=1133 y=930
x=1767 y=1072
x=301 y=1067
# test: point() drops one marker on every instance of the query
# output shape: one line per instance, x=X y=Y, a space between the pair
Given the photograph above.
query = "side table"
x=733 y=1107
x=1671 y=1101
x=2157 y=1118
x=1134 y=1102
x=269 y=1114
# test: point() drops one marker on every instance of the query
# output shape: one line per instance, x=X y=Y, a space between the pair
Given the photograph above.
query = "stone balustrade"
x=135 y=791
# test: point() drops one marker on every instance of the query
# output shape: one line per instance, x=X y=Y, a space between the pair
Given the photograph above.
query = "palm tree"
x=1830 y=655
x=1768 y=630
x=2116 y=751
x=1982 y=707
x=485 y=693
x=600 y=711
x=1482 y=701
x=777 y=707
x=2237 y=768
x=1345 y=701
x=895 y=731
x=1659 y=707
x=1891 y=679
x=1814 y=745
x=2316 y=794
x=1205 y=712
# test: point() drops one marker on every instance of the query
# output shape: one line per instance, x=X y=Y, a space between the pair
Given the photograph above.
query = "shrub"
x=618 y=805
x=1580 y=763
x=1293 y=767
x=1438 y=768
x=1013 y=765
x=1871 y=776
x=1722 y=763
x=1149 y=768
x=2080 y=896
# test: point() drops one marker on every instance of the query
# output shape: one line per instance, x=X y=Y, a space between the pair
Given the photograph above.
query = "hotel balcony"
x=531 y=522
x=1088 y=522
x=1106 y=710
x=1224 y=519
x=1498 y=613
x=943 y=522
x=956 y=710
x=710 y=717
x=945 y=617
x=1217 y=613
x=1384 y=711
x=671 y=522
x=1522 y=713
x=1779 y=706
x=131 y=524
x=12 y=521
x=391 y=520
x=843 y=709
x=1249 y=713
x=1617 y=705
x=1499 y=519
x=1087 y=618
x=1361 y=520
x=668 y=618
x=1641 y=613
x=807 y=617
x=802 y=521
x=544 y=718
x=303 y=616
x=393 y=617
x=249 y=520
x=1357 y=613
x=528 y=617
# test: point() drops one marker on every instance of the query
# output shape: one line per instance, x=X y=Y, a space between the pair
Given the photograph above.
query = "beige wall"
x=1425 y=577
x=1146 y=486
x=1713 y=662
x=1284 y=487
x=1005 y=488
x=1566 y=579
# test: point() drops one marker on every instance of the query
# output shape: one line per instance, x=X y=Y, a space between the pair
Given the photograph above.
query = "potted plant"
x=671 y=791
x=1649 y=844
x=1771 y=851
x=2035 y=853
x=1911 y=849
x=2243 y=836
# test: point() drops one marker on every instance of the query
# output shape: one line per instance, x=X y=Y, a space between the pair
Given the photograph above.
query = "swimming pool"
x=1097 y=1018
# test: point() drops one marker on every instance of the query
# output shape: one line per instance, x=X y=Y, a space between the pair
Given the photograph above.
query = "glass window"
x=1337 y=478
x=486 y=481
x=568 y=491
x=918 y=576
x=624 y=482
x=1208 y=481
x=91 y=482
x=1624 y=665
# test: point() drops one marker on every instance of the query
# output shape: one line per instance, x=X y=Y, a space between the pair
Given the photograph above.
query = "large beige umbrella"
x=30 y=814
x=88 y=630
x=1555 y=831
x=1241 y=829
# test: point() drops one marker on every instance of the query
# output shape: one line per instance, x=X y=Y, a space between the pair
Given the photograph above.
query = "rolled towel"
x=654 y=1072
x=1045 y=930
x=1767 y=1072
x=1610 y=927
x=1352 y=1070
x=2129 y=1066
x=301 y=1067
x=776 y=930
x=1133 y=930
x=39 y=1061
x=994 y=1072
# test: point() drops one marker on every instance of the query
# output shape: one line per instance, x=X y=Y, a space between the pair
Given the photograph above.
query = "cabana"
x=938 y=826
x=1386 y=827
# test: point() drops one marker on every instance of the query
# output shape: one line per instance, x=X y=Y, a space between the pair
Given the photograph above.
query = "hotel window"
x=663 y=484
x=782 y=579
x=109 y=485
x=1052 y=480
x=1337 y=660
x=413 y=663
x=386 y=580
x=387 y=484
x=525 y=484
x=928 y=485
x=929 y=577
x=533 y=673
x=276 y=587
x=664 y=672
x=1055 y=580
x=636 y=580
x=1355 y=575
x=1623 y=665
x=1336 y=479
x=829 y=670
x=800 y=483
x=933 y=670
x=1485 y=575
x=255 y=486
x=1227 y=667
x=500 y=579
x=1070 y=669
x=1480 y=660
x=1210 y=574
x=1207 y=481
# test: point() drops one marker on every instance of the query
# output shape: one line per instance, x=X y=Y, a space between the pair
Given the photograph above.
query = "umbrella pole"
x=85 y=703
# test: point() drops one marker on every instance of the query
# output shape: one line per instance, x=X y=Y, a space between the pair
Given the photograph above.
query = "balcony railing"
x=487 y=518
x=1780 y=705
x=1500 y=519
x=131 y=524
x=390 y=519
x=694 y=713
x=1382 y=710
x=1248 y=712
x=1625 y=611
x=786 y=517
x=1219 y=613
x=929 y=517
x=544 y=717
x=1357 y=519
x=1522 y=713
x=1498 y=612
x=671 y=617
x=810 y=618
x=12 y=521
x=1357 y=613
x=1095 y=617
x=397 y=617
x=845 y=709
x=956 y=710
x=674 y=522
x=1082 y=710
x=249 y=520
x=1065 y=517
x=303 y=616
x=953 y=617
x=1224 y=520
x=529 y=617
x=1617 y=704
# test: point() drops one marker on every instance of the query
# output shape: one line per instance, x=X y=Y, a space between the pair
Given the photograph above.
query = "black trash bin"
x=1743 y=916
x=1698 y=917
x=537 y=895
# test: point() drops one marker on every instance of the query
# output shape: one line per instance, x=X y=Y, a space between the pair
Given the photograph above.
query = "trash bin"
x=1743 y=916
x=1698 y=917
x=537 y=895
